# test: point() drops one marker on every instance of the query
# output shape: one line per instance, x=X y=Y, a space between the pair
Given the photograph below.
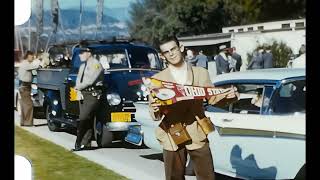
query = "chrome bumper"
x=120 y=126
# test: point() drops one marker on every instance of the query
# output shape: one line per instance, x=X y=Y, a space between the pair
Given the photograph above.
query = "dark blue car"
x=124 y=65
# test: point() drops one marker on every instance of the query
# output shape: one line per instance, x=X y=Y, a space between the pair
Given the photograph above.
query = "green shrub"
x=280 y=51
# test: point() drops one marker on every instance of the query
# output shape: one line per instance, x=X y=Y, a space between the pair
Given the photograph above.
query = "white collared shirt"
x=179 y=74
x=25 y=70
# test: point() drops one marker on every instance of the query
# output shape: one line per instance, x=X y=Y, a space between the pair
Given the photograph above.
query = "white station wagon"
x=261 y=136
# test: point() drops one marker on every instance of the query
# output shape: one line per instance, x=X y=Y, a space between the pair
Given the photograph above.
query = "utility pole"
x=80 y=21
x=16 y=37
x=29 y=43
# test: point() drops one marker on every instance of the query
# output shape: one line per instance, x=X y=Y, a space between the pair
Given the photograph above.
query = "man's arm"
x=193 y=60
x=221 y=99
x=32 y=66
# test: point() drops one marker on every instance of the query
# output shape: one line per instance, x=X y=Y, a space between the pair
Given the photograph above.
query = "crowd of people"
x=228 y=60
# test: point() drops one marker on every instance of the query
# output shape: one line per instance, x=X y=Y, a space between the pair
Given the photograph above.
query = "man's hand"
x=223 y=99
x=155 y=105
x=233 y=93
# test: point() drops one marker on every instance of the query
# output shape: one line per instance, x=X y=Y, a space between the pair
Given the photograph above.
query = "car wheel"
x=102 y=135
x=38 y=113
x=53 y=126
x=189 y=167
x=301 y=174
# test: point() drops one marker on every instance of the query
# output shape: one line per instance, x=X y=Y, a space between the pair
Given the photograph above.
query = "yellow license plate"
x=120 y=117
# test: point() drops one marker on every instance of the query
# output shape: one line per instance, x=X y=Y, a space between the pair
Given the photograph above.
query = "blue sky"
x=75 y=4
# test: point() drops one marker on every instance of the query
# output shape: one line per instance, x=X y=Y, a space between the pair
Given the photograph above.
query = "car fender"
x=50 y=96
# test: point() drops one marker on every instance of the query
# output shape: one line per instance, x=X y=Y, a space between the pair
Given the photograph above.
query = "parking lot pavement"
x=138 y=163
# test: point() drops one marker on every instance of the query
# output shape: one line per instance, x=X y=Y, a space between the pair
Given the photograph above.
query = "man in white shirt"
x=25 y=77
x=300 y=62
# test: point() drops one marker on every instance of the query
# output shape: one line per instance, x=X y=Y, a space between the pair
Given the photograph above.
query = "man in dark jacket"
x=256 y=61
x=222 y=62
x=267 y=58
x=237 y=57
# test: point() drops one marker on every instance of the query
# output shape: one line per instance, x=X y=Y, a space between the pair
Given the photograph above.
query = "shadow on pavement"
x=157 y=156
x=124 y=144
x=223 y=177
x=37 y=125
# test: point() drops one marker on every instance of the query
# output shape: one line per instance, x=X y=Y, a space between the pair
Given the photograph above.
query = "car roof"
x=118 y=45
x=113 y=46
x=271 y=74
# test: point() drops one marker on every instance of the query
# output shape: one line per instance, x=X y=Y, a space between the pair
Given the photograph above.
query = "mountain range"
x=113 y=23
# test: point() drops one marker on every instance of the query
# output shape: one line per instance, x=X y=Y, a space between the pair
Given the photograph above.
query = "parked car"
x=261 y=136
x=124 y=65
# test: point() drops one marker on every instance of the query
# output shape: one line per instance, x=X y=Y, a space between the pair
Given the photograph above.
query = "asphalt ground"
x=133 y=162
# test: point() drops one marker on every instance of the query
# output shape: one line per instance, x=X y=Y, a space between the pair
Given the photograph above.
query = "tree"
x=243 y=11
x=151 y=19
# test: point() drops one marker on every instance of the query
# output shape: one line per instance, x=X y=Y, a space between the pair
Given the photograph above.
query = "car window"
x=290 y=98
x=112 y=59
x=144 y=58
x=211 y=108
x=268 y=90
x=250 y=99
x=153 y=61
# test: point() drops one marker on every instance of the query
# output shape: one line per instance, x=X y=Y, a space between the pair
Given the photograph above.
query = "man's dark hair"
x=168 y=38
x=27 y=54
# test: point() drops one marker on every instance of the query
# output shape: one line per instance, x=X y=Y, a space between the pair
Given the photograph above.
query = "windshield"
x=144 y=58
x=139 y=58
x=113 y=59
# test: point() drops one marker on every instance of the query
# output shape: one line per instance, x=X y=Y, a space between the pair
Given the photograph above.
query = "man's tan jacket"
x=200 y=77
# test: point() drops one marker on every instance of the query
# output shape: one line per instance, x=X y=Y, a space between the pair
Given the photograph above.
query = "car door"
x=72 y=107
x=250 y=144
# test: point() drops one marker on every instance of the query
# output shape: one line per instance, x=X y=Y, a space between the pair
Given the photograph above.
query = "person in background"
x=237 y=57
x=202 y=60
x=256 y=61
x=257 y=100
x=300 y=61
x=232 y=62
x=66 y=61
x=222 y=62
x=212 y=69
x=25 y=80
x=190 y=58
x=267 y=58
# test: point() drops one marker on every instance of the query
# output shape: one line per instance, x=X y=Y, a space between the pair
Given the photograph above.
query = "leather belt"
x=22 y=83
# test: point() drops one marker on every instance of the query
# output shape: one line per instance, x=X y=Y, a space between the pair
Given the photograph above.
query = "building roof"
x=206 y=36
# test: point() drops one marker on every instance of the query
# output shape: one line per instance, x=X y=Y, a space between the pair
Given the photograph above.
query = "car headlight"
x=113 y=99
x=33 y=86
x=55 y=102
